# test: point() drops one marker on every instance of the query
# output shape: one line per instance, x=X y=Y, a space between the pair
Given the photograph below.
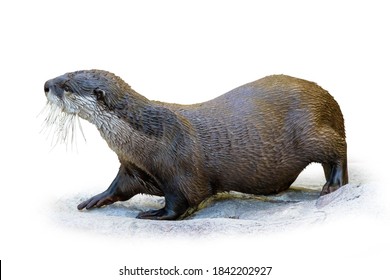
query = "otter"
x=254 y=139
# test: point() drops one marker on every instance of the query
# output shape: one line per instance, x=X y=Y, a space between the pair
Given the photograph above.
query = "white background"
x=183 y=52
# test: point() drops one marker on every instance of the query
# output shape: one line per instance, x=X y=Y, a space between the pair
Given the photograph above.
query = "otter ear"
x=100 y=94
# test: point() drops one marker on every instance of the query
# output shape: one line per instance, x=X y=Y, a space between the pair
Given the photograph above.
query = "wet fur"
x=254 y=139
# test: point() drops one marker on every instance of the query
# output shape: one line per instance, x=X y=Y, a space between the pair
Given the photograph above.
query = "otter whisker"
x=60 y=126
x=81 y=128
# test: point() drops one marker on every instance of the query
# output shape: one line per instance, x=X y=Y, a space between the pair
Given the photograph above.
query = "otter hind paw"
x=160 y=214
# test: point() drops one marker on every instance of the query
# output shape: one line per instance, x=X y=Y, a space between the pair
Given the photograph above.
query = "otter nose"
x=47 y=87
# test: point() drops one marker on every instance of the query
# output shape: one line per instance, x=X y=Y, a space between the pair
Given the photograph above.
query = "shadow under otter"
x=254 y=139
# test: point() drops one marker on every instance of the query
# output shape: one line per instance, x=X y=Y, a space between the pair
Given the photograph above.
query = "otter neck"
x=145 y=117
x=134 y=129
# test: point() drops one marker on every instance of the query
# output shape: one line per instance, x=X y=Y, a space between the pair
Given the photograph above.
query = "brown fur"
x=254 y=139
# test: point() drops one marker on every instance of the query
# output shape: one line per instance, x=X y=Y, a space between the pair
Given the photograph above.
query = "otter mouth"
x=61 y=119
x=62 y=101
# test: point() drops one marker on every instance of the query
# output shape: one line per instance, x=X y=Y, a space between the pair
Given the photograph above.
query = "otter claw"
x=82 y=205
x=97 y=201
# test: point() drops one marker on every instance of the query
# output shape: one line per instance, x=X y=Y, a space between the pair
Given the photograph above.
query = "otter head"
x=87 y=94
x=94 y=95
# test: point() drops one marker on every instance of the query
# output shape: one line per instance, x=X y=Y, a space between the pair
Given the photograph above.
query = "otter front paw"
x=99 y=200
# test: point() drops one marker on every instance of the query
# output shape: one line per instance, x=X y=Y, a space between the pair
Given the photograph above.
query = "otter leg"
x=175 y=206
x=327 y=170
x=115 y=192
x=127 y=183
x=336 y=175
x=328 y=147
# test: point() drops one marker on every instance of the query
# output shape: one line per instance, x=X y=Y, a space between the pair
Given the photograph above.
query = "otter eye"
x=66 y=88
x=99 y=93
